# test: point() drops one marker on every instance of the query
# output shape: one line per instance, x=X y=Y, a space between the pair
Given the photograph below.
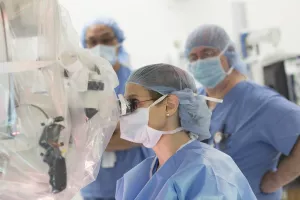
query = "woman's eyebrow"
x=131 y=96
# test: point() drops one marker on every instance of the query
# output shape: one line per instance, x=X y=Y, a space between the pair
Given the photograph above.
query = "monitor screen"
x=275 y=78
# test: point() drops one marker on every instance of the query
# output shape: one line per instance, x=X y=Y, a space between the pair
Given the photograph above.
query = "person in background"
x=104 y=38
x=172 y=120
x=254 y=124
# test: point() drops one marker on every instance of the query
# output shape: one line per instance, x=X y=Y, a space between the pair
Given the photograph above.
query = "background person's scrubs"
x=103 y=188
x=258 y=125
x=123 y=73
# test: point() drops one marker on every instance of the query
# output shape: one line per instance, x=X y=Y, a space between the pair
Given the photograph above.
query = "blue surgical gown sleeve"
x=284 y=128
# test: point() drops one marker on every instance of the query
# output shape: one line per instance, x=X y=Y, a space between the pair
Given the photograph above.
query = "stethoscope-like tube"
x=10 y=78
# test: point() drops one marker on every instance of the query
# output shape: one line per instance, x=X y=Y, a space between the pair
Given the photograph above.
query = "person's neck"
x=117 y=66
x=226 y=85
x=168 y=145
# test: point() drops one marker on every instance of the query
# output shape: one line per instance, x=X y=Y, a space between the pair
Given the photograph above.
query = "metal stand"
x=11 y=102
x=4 y=28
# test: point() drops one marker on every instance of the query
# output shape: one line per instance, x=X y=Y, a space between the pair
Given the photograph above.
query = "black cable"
x=37 y=107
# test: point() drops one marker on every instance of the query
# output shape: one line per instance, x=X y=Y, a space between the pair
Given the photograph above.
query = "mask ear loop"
x=225 y=49
x=222 y=53
x=205 y=97
x=229 y=71
x=158 y=101
x=117 y=49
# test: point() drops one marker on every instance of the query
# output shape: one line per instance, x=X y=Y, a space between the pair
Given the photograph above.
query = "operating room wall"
x=262 y=14
x=277 y=13
x=151 y=26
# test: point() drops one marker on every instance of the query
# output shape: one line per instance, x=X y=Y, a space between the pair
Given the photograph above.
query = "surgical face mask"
x=209 y=72
x=134 y=127
x=107 y=52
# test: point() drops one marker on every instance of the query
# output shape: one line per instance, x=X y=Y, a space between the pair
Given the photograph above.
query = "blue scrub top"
x=123 y=74
x=258 y=125
x=196 y=171
x=105 y=184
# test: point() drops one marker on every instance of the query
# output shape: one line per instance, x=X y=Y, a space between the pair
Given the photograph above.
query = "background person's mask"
x=209 y=72
x=107 y=52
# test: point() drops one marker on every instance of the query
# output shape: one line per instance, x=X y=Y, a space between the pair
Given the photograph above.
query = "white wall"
x=151 y=26
x=263 y=14
x=277 y=13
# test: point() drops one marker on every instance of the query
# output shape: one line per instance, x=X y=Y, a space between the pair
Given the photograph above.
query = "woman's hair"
x=154 y=95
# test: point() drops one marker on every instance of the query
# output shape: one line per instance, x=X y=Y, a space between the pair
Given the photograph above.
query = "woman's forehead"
x=135 y=90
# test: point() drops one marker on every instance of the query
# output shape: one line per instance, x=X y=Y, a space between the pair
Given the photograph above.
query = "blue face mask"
x=107 y=52
x=209 y=72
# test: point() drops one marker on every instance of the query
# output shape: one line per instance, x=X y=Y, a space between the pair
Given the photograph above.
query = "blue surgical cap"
x=216 y=37
x=123 y=55
x=167 y=79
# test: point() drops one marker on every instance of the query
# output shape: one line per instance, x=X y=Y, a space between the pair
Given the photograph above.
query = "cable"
x=37 y=107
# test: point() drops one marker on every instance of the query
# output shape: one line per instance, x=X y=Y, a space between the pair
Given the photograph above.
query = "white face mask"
x=134 y=127
x=107 y=52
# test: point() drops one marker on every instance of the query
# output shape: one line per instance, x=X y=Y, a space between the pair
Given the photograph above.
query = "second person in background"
x=254 y=124
x=104 y=38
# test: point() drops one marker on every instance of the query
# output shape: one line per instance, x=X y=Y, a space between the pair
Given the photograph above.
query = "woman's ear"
x=172 y=105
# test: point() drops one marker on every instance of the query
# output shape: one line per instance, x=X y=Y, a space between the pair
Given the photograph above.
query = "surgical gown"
x=104 y=186
x=257 y=125
x=196 y=171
